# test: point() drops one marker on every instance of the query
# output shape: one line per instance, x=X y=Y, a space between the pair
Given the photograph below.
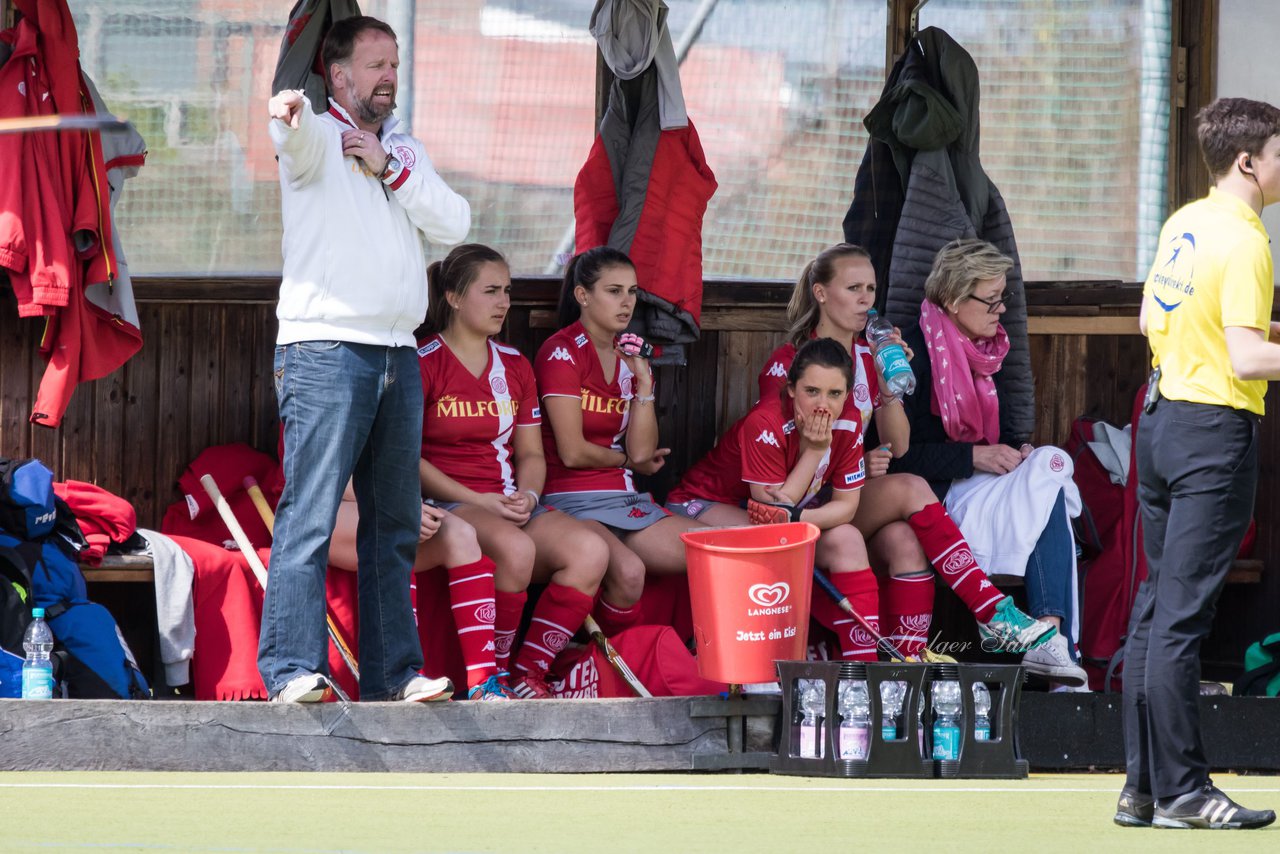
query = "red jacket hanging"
x=55 y=223
x=644 y=191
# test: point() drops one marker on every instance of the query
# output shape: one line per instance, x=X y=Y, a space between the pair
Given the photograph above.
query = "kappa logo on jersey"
x=562 y=355
x=490 y=647
x=776 y=370
x=429 y=348
x=959 y=559
x=636 y=513
x=499 y=385
x=487 y=613
x=766 y=437
x=984 y=584
x=581 y=340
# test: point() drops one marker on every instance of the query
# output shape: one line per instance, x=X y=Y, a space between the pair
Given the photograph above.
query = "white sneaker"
x=307 y=688
x=1052 y=660
x=423 y=689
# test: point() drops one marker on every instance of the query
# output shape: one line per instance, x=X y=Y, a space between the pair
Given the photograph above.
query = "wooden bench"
x=138 y=569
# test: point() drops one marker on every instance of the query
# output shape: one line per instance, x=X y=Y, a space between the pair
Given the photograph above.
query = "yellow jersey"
x=1212 y=270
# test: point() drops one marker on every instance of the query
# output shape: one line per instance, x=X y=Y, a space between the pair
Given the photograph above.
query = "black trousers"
x=1197 y=475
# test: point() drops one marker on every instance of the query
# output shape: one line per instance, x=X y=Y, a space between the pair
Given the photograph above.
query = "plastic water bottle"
x=813 y=701
x=855 y=719
x=920 y=723
x=891 y=696
x=982 y=712
x=37 y=668
x=946 y=719
x=891 y=359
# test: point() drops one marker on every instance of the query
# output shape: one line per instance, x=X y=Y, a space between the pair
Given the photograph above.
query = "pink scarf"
x=964 y=394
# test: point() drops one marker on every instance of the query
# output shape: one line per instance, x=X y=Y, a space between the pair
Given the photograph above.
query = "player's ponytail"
x=803 y=312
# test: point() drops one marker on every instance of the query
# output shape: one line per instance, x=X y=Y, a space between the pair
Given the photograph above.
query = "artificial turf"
x=317 y=812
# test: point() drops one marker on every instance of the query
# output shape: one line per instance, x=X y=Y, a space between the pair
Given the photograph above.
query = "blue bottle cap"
x=37 y=613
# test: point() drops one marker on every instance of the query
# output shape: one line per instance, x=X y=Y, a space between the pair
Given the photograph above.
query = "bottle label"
x=982 y=732
x=946 y=742
x=893 y=361
x=37 y=683
x=854 y=742
x=889 y=732
x=810 y=742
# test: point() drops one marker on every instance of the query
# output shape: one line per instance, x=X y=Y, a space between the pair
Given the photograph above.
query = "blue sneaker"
x=490 y=690
x=1010 y=630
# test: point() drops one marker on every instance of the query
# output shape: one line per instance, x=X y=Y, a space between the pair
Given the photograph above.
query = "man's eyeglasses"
x=993 y=305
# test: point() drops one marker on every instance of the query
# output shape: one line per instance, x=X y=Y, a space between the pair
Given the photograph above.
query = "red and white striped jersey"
x=863 y=396
x=763 y=448
x=468 y=422
x=567 y=366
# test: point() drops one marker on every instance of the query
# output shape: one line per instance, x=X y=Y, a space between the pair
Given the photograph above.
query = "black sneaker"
x=1134 y=809
x=1208 y=808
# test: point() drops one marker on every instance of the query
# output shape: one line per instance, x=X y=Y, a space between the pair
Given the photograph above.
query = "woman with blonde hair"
x=1010 y=499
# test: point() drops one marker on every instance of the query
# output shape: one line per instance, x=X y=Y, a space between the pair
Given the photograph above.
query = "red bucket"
x=749 y=588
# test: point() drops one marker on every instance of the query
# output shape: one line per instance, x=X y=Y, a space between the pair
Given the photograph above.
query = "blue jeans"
x=1049 y=575
x=347 y=411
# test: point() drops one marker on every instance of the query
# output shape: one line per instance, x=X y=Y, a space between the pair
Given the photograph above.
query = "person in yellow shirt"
x=1206 y=311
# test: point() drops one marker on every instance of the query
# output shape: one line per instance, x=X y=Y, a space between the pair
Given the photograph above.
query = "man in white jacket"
x=357 y=196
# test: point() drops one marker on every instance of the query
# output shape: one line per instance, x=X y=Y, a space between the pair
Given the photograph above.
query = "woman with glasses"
x=1012 y=503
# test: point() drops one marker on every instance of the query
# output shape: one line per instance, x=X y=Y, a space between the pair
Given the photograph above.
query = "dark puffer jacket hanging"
x=921 y=185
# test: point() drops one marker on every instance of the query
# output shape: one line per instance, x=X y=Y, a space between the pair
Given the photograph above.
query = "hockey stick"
x=615 y=658
x=845 y=605
x=260 y=572
x=269 y=519
x=260 y=502
x=926 y=655
x=24 y=124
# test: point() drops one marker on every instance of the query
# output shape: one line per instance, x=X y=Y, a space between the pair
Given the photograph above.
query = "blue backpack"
x=39 y=539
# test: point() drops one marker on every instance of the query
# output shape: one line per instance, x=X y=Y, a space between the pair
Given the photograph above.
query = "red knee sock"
x=505 y=625
x=558 y=614
x=613 y=619
x=948 y=551
x=472 y=600
x=860 y=588
x=906 y=601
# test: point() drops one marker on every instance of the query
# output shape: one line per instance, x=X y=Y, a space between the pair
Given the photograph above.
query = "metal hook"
x=914 y=24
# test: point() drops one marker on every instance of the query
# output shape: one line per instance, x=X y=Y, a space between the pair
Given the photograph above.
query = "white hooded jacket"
x=354 y=267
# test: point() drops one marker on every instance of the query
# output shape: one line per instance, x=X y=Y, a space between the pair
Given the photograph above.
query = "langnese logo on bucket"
x=770 y=598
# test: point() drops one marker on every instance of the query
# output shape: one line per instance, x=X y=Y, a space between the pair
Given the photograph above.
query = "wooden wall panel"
x=204 y=376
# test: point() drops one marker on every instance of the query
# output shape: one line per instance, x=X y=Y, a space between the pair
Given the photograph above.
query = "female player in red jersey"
x=787 y=449
x=482 y=460
x=906 y=526
x=600 y=427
